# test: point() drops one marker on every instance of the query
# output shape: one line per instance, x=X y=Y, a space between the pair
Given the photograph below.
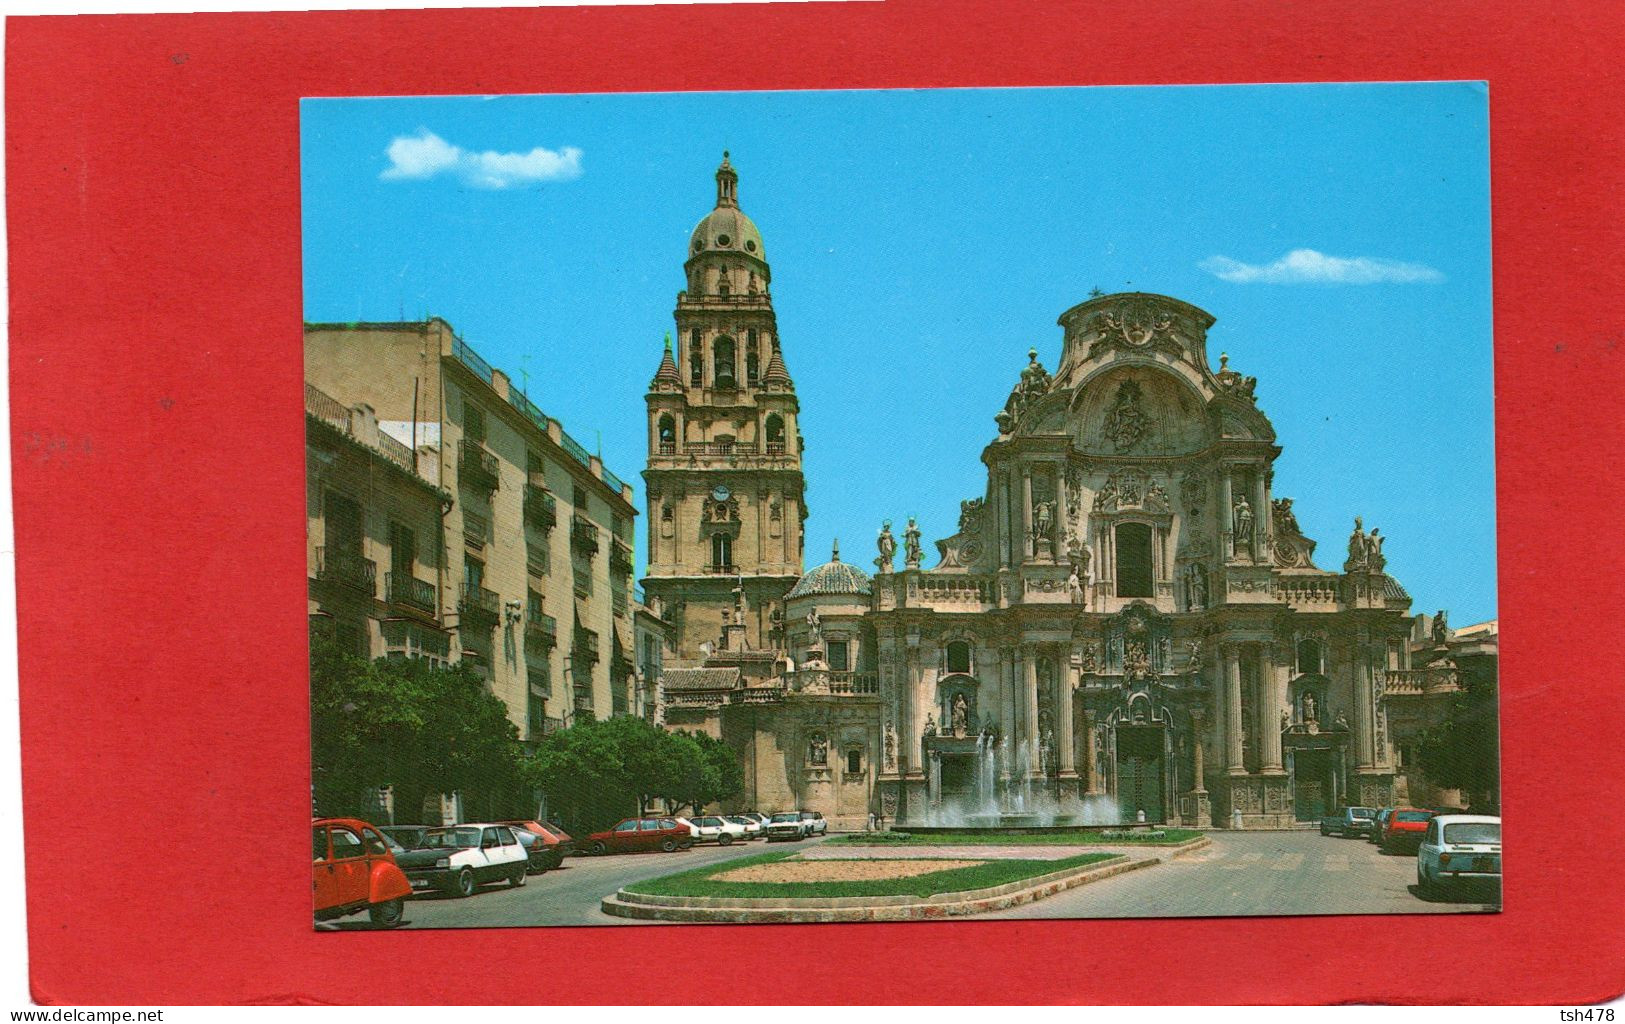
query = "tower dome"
x=833 y=578
x=726 y=229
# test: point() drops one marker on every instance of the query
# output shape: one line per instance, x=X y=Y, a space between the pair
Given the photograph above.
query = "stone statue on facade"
x=818 y=753
x=888 y=547
x=930 y=725
x=1091 y=657
x=1241 y=521
x=1342 y=721
x=1043 y=520
x=1441 y=629
x=889 y=748
x=1357 y=548
x=815 y=630
x=961 y=715
x=1374 y=558
x=1074 y=587
x=1286 y=721
x=911 y=545
x=1193 y=654
x=1310 y=712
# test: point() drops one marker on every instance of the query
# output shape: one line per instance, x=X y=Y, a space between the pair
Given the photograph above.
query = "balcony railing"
x=405 y=589
x=541 y=508
x=347 y=568
x=396 y=452
x=541 y=631
x=722 y=570
x=720 y=448
x=584 y=535
x=479 y=607
x=667 y=448
x=1307 y=589
x=857 y=683
x=476 y=467
x=620 y=557
x=326 y=408
x=775 y=448
x=1416 y=681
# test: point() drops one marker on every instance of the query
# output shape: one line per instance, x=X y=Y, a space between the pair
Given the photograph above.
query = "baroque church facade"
x=1128 y=616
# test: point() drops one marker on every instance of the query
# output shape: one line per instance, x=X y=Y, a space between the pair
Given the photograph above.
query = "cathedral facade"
x=1128 y=618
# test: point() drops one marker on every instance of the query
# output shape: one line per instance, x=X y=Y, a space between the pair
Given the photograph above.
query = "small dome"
x=726 y=229
x=833 y=578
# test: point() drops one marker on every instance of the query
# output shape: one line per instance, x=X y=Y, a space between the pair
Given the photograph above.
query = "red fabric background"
x=157 y=425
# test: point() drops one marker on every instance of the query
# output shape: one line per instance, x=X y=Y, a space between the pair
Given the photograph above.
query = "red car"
x=1404 y=829
x=354 y=871
x=556 y=842
x=641 y=834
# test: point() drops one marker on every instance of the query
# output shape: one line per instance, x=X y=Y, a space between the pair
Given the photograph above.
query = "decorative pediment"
x=1132 y=489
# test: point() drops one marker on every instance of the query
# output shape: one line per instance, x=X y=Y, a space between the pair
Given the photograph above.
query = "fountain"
x=1008 y=798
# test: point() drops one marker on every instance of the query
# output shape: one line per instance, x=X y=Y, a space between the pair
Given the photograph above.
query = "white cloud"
x=1306 y=266
x=426 y=155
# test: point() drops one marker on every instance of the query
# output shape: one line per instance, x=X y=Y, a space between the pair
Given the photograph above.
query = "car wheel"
x=517 y=879
x=463 y=885
x=724 y=839
x=668 y=845
x=599 y=849
x=387 y=915
x=687 y=844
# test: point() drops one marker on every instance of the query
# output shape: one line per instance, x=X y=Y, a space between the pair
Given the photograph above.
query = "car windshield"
x=1473 y=832
x=741 y=820
x=787 y=817
x=1412 y=815
x=1362 y=812
x=452 y=839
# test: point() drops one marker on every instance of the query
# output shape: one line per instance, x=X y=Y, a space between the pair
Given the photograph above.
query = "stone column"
x=908 y=740
x=1092 y=773
x=1227 y=537
x=1232 y=710
x=1198 y=737
x=1007 y=705
x=1364 y=728
x=1273 y=678
x=1029 y=686
x=1001 y=510
x=1027 y=511
x=1068 y=682
x=1261 y=518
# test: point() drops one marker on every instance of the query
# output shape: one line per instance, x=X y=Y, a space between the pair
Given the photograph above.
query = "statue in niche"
x=1342 y=721
x=1043 y=520
x=889 y=748
x=1126 y=423
x=960 y=712
x=815 y=629
x=1074 y=586
x=1091 y=657
x=888 y=547
x=1311 y=713
x=1241 y=516
x=930 y=725
x=1357 y=548
x=1106 y=498
x=818 y=752
x=911 y=545
x=1193 y=653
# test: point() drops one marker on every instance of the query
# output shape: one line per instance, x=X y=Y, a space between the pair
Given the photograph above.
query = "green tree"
x=408 y=724
x=1463 y=750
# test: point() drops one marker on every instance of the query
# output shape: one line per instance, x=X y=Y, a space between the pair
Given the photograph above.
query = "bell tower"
x=726 y=496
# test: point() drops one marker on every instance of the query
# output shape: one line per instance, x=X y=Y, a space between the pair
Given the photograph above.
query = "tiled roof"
x=832 y=578
x=1392 y=591
x=700 y=678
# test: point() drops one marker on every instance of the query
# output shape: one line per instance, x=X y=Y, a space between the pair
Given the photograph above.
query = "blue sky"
x=922 y=241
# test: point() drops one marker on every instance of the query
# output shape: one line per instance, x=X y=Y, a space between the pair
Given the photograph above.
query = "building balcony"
x=476 y=467
x=667 y=448
x=348 y=569
x=405 y=589
x=582 y=701
x=854 y=683
x=584 y=535
x=541 y=631
x=479 y=607
x=620 y=557
x=722 y=570
x=776 y=448
x=586 y=646
x=476 y=529
x=719 y=449
x=541 y=508
x=540 y=685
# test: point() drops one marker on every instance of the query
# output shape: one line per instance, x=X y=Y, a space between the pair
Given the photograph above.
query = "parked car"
x=816 y=825
x=714 y=828
x=353 y=870
x=634 y=834
x=1374 y=834
x=786 y=825
x=1458 y=848
x=758 y=818
x=409 y=836
x=459 y=859
x=551 y=847
x=752 y=827
x=1348 y=822
x=1404 y=829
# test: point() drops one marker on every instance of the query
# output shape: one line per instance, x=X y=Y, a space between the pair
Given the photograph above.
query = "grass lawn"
x=698 y=881
x=970 y=837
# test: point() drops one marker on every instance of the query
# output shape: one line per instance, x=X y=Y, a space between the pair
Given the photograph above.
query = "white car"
x=753 y=828
x=693 y=829
x=1459 y=848
x=460 y=858
x=713 y=828
x=786 y=825
x=814 y=820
